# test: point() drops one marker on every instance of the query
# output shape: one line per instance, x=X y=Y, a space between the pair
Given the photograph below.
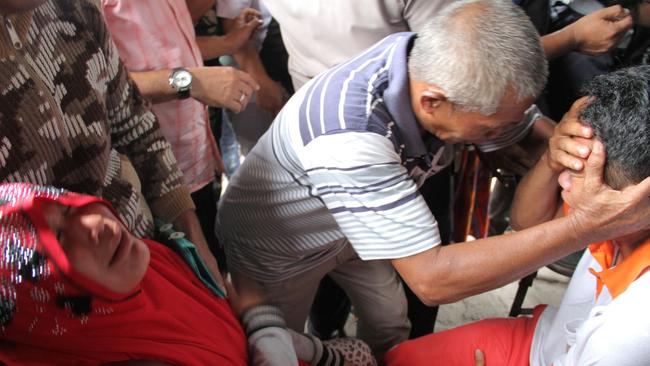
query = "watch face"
x=182 y=79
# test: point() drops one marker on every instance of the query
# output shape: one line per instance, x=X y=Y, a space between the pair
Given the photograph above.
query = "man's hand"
x=245 y=295
x=570 y=144
x=599 y=32
x=188 y=223
x=223 y=86
x=600 y=212
x=242 y=28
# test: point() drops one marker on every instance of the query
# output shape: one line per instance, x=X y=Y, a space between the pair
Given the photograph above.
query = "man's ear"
x=431 y=98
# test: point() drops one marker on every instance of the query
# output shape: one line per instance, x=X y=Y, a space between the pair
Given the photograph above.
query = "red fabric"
x=170 y=317
x=504 y=342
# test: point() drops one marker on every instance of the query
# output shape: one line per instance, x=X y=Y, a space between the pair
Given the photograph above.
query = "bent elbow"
x=432 y=295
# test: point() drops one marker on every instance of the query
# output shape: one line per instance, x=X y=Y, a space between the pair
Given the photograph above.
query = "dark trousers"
x=205 y=200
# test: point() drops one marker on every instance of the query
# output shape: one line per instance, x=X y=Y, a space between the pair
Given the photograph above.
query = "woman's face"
x=98 y=245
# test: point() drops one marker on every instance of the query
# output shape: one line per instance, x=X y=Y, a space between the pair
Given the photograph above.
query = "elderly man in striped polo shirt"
x=332 y=186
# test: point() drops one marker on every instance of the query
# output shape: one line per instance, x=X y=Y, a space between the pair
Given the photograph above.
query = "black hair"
x=619 y=116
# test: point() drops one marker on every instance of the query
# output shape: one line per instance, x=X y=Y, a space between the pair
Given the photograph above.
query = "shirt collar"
x=618 y=278
x=397 y=98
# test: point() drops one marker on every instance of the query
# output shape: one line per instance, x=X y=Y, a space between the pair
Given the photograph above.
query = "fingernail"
x=577 y=166
x=584 y=151
x=586 y=130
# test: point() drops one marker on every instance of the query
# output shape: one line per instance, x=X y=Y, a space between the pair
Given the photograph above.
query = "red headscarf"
x=50 y=314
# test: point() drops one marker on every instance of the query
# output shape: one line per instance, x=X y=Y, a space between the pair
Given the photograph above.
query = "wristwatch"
x=181 y=80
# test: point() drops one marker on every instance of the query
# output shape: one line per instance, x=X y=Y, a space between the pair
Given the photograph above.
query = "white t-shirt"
x=602 y=331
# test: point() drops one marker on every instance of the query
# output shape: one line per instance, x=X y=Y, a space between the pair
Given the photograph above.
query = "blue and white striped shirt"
x=344 y=158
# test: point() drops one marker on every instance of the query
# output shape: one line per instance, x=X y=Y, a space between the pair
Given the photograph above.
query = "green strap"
x=187 y=250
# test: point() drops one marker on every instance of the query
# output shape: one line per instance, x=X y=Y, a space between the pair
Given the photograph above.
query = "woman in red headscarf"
x=76 y=287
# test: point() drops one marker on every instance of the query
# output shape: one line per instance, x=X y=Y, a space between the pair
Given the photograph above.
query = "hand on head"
x=611 y=213
x=570 y=145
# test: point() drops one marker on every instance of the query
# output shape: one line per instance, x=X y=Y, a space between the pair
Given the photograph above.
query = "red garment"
x=504 y=342
x=52 y=315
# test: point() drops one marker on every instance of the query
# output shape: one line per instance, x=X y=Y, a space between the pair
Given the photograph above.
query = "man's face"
x=98 y=245
x=453 y=125
x=17 y=6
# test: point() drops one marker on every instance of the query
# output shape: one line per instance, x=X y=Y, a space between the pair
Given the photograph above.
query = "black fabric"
x=274 y=57
x=205 y=200
x=539 y=13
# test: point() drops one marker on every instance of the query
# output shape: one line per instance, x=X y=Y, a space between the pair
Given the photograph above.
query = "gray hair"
x=475 y=49
x=619 y=115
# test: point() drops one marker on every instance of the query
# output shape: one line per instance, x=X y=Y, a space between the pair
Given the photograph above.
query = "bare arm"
x=446 y=274
x=540 y=187
x=567 y=149
x=217 y=86
x=238 y=33
x=271 y=95
x=593 y=34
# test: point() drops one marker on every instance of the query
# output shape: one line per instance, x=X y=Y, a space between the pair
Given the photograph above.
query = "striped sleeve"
x=359 y=177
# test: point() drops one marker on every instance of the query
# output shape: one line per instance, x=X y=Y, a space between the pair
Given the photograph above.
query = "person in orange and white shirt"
x=157 y=43
x=603 y=318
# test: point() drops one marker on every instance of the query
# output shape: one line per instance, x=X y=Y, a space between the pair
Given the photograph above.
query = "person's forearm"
x=154 y=85
x=558 y=43
x=448 y=273
x=536 y=198
x=215 y=46
x=249 y=60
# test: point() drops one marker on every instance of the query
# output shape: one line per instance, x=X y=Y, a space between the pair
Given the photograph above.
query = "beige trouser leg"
x=374 y=290
x=377 y=295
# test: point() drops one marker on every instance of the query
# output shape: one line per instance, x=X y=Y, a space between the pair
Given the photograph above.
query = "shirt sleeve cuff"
x=168 y=207
x=262 y=316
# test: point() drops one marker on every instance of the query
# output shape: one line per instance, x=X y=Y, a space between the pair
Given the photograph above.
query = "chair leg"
x=524 y=284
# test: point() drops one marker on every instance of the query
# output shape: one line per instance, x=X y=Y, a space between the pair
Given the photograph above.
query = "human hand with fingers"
x=223 y=86
x=570 y=144
x=243 y=27
x=599 y=32
x=599 y=212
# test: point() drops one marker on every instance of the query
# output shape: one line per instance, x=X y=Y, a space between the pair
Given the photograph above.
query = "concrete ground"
x=548 y=288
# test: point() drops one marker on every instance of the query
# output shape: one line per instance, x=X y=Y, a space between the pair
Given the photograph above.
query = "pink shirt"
x=159 y=34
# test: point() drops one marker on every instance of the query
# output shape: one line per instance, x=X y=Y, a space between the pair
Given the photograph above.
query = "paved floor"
x=547 y=288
